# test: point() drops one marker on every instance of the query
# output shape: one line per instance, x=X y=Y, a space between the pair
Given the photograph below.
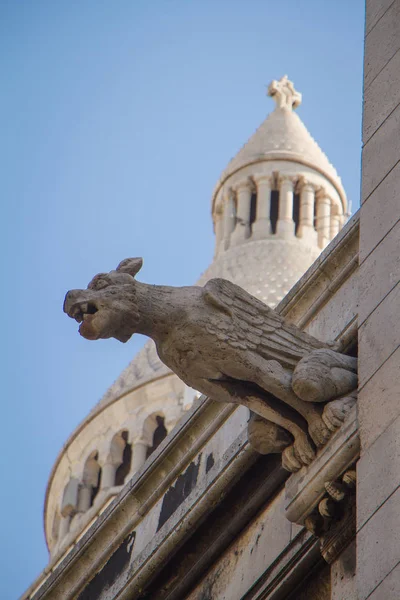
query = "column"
x=139 y=451
x=306 y=229
x=219 y=230
x=323 y=219
x=242 y=229
x=285 y=224
x=229 y=217
x=261 y=227
x=69 y=506
x=64 y=527
x=85 y=497
x=108 y=474
x=335 y=223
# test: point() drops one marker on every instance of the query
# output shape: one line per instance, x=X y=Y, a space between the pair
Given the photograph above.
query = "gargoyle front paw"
x=289 y=460
x=298 y=454
x=336 y=411
x=319 y=431
x=303 y=449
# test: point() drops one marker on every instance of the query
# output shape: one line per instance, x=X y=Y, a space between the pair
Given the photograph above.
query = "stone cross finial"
x=284 y=94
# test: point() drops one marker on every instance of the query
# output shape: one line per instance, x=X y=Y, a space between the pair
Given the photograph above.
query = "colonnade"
x=100 y=475
x=319 y=218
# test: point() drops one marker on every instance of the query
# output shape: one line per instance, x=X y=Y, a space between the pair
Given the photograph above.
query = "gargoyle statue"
x=225 y=343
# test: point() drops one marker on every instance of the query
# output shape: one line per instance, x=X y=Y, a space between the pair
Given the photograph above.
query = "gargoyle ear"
x=130 y=265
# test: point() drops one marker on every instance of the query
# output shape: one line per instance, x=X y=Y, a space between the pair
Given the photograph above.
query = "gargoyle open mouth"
x=81 y=310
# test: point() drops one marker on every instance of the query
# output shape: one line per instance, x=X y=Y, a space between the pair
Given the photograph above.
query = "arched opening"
x=253 y=208
x=92 y=475
x=274 y=209
x=55 y=527
x=296 y=212
x=159 y=434
x=233 y=209
x=125 y=466
x=315 y=214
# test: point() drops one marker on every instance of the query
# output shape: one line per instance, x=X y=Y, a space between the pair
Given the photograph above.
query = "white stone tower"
x=276 y=206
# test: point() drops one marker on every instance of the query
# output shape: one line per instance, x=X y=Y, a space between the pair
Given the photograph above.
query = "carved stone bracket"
x=322 y=496
x=306 y=488
x=334 y=521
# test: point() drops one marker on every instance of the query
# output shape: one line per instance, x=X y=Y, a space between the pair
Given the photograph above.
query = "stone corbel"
x=322 y=496
x=334 y=521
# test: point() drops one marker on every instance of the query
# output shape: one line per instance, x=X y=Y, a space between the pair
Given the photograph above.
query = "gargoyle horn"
x=130 y=265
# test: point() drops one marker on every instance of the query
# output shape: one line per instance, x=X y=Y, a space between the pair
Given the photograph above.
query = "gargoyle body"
x=225 y=343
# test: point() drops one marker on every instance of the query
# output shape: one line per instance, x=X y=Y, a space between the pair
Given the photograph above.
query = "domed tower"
x=277 y=204
x=275 y=207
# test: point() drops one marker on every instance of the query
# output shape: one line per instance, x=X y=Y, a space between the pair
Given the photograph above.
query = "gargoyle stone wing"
x=247 y=323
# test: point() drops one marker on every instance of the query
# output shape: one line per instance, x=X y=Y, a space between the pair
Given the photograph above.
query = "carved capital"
x=305 y=185
x=245 y=185
x=287 y=182
x=322 y=196
x=263 y=180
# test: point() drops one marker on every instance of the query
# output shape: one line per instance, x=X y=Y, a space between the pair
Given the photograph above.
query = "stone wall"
x=378 y=494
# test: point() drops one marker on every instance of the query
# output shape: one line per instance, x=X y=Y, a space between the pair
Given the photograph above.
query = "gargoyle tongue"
x=87 y=329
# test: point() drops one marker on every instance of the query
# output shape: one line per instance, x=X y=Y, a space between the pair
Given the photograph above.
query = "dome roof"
x=283 y=136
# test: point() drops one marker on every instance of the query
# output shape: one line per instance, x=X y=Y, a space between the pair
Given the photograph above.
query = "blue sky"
x=116 y=120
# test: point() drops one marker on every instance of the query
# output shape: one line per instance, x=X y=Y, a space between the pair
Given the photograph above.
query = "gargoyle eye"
x=98 y=284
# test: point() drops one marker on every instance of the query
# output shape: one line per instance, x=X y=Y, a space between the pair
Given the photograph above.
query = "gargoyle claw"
x=336 y=411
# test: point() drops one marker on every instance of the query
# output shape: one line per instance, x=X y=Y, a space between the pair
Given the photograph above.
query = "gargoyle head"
x=108 y=307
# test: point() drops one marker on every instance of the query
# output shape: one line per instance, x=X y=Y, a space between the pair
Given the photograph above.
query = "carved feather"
x=248 y=323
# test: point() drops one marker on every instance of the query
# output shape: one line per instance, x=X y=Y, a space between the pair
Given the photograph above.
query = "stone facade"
x=378 y=517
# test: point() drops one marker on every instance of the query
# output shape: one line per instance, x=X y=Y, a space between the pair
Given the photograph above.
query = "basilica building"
x=162 y=493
